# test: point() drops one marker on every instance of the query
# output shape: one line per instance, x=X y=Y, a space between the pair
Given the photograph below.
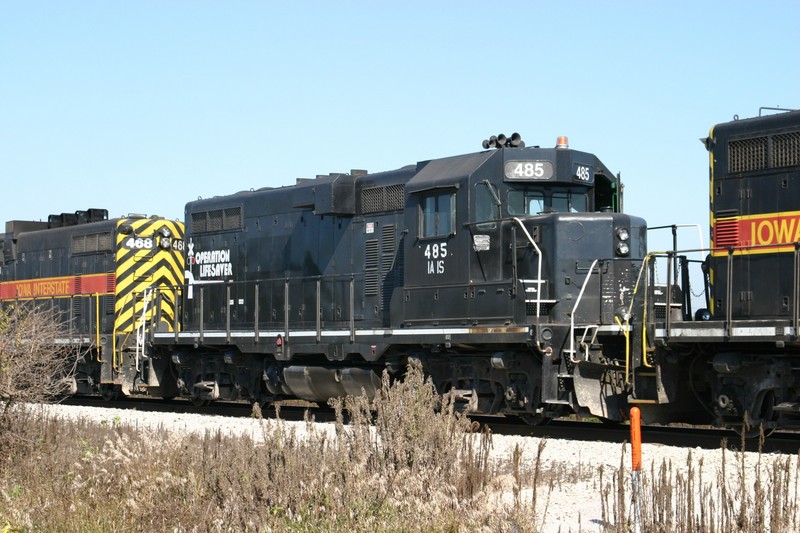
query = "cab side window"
x=438 y=214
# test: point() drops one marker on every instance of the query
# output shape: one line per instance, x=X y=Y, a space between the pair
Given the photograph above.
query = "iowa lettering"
x=781 y=230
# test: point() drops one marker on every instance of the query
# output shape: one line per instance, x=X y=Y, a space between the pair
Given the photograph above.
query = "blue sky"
x=139 y=107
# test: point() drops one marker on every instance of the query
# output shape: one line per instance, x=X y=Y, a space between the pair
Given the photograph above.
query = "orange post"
x=636 y=459
x=636 y=439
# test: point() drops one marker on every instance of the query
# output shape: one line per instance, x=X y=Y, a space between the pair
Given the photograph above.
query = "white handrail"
x=538 y=271
x=575 y=308
x=140 y=328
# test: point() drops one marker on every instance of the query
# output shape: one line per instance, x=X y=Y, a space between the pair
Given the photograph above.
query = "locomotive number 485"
x=435 y=254
x=435 y=251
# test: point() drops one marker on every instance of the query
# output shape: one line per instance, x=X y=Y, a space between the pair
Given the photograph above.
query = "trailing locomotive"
x=741 y=358
x=100 y=275
x=509 y=273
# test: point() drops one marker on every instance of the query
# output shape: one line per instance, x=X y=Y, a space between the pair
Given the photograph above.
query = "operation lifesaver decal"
x=211 y=263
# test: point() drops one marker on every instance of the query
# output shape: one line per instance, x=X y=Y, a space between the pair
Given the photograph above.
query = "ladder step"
x=642 y=401
x=558 y=402
x=787 y=407
x=646 y=374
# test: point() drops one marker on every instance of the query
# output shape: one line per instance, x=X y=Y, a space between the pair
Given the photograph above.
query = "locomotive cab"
x=528 y=239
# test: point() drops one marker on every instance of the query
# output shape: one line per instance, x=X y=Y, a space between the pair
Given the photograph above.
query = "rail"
x=284 y=286
x=672 y=256
x=90 y=337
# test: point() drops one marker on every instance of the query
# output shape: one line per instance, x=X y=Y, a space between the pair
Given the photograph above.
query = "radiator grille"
x=92 y=243
x=759 y=153
x=229 y=218
x=786 y=149
x=379 y=199
x=747 y=155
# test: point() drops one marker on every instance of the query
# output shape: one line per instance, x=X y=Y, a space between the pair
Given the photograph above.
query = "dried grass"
x=405 y=462
x=744 y=494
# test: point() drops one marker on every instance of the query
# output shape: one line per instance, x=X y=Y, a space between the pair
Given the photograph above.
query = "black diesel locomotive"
x=100 y=275
x=507 y=272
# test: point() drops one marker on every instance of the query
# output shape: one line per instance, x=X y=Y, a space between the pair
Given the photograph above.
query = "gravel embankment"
x=571 y=503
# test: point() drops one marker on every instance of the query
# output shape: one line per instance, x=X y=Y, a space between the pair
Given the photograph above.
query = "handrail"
x=538 y=274
x=729 y=295
x=628 y=316
x=575 y=308
x=141 y=327
x=674 y=228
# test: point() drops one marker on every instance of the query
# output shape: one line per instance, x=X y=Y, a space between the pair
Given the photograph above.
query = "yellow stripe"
x=138 y=270
x=765 y=215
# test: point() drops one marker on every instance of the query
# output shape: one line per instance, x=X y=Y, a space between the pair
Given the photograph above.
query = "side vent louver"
x=92 y=243
x=371 y=272
x=229 y=218
x=381 y=199
x=726 y=233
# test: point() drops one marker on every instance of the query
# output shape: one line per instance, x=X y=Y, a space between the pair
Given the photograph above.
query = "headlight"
x=702 y=315
x=165 y=242
x=623 y=234
x=623 y=248
x=165 y=231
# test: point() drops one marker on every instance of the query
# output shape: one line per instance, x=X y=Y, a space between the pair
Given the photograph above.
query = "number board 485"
x=528 y=170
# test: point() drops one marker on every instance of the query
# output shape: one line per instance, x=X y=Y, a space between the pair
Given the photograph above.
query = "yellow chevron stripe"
x=140 y=269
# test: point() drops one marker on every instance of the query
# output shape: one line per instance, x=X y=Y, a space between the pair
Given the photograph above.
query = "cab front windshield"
x=538 y=201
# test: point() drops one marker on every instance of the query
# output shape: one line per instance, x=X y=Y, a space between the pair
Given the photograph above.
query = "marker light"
x=562 y=143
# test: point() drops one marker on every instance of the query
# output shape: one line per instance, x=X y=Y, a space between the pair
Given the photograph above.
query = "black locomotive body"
x=507 y=272
x=739 y=359
x=98 y=275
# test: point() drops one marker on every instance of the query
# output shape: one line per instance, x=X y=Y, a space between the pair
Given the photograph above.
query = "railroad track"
x=704 y=437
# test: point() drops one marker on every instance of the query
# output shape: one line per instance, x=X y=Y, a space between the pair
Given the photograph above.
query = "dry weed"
x=405 y=462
